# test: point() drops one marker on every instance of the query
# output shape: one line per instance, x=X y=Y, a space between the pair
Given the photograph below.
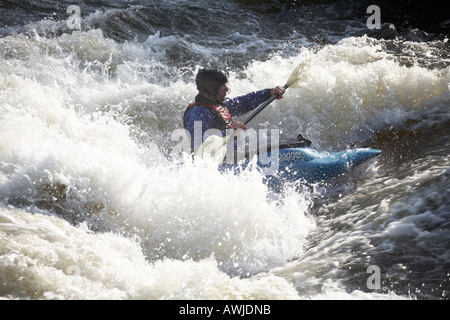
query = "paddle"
x=215 y=147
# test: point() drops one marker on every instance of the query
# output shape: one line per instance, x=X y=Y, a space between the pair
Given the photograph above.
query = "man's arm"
x=246 y=103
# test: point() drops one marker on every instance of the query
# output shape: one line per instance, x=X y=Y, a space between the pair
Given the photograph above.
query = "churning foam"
x=44 y=257
x=84 y=120
x=350 y=90
x=69 y=149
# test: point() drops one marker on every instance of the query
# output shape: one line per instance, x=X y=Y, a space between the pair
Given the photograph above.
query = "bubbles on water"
x=85 y=124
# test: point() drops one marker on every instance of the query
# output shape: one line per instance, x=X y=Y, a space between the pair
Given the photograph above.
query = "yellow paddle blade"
x=300 y=73
x=214 y=147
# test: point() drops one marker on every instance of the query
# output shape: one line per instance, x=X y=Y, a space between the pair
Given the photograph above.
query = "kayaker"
x=214 y=111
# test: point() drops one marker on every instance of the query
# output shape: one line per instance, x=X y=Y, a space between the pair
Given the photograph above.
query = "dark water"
x=94 y=205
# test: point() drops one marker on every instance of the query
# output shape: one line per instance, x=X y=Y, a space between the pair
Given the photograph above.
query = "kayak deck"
x=292 y=164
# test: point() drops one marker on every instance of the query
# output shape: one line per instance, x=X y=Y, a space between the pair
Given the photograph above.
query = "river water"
x=95 y=205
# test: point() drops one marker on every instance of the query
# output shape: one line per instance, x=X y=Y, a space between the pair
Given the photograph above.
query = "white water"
x=85 y=123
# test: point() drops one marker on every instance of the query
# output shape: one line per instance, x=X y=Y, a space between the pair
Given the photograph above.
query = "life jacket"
x=222 y=115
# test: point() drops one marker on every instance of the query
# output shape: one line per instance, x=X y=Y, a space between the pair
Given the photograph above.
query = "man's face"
x=223 y=90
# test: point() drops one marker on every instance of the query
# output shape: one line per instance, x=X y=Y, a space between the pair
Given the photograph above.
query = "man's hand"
x=279 y=90
x=238 y=127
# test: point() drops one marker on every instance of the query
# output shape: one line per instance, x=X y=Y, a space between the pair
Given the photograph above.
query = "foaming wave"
x=70 y=147
x=350 y=90
x=43 y=257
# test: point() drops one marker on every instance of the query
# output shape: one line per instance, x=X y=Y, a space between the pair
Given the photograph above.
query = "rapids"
x=94 y=203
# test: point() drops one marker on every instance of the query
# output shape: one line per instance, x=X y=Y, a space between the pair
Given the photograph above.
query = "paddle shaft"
x=264 y=104
x=218 y=144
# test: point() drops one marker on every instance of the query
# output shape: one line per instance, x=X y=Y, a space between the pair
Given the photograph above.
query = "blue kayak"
x=305 y=163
